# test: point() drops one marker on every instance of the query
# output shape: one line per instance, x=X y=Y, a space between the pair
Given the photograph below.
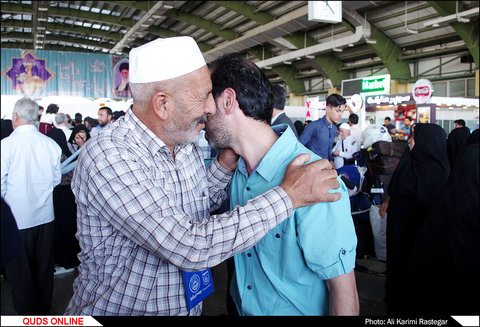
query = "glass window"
x=471 y=87
x=440 y=89
x=472 y=124
x=456 y=88
x=446 y=125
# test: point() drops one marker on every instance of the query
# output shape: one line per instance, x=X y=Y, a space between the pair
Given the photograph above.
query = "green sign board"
x=373 y=85
x=379 y=84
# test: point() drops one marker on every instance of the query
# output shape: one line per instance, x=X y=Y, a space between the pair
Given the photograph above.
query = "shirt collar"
x=275 y=156
x=153 y=143
x=326 y=122
x=275 y=118
x=143 y=133
x=24 y=128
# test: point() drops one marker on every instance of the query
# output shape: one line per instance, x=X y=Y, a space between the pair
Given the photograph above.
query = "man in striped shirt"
x=144 y=196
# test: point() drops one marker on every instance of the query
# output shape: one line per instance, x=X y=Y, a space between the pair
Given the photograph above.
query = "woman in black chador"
x=444 y=268
x=455 y=142
x=414 y=192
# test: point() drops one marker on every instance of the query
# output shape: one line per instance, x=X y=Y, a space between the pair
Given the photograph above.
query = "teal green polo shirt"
x=285 y=273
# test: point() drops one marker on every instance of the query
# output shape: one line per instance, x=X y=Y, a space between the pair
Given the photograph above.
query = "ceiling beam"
x=61 y=27
x=138 y=27
x=467 y=31
x=63 y=39
x=202 y=23
x=287 y=73
x=390 y=54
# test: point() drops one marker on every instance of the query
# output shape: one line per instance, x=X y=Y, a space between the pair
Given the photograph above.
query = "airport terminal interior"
x=388 y=59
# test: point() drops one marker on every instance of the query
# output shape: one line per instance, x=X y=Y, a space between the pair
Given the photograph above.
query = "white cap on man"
x=163 y=59
x=345 y=126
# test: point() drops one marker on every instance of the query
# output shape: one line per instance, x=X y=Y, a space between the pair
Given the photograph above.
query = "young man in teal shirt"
x=304 y=266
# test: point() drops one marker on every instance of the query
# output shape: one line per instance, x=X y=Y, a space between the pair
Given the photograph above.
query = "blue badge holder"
x=198 y=285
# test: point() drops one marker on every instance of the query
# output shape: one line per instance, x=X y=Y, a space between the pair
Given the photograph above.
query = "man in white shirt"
x=30 y=169
x=62 y=121
x=345 y=147
x=355 y=129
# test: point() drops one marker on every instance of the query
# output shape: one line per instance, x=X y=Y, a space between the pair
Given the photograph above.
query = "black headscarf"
x=455 y=142
x=76 y=129
x=422 y=171
x=444 y=268
x=474 y=137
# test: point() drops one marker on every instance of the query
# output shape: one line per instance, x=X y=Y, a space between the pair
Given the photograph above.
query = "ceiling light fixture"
x=333 y=44
x=367 y=40
x=408 y=30
x=460 y=17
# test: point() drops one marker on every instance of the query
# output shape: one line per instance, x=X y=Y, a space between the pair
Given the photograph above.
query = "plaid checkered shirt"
x=143 y=217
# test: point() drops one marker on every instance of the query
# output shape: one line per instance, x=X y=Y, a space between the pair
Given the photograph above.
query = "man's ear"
x=229 y=100
x=160 y=105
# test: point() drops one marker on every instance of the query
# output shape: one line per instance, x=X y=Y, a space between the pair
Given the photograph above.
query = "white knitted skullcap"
x=163 y=59
x=345 y=126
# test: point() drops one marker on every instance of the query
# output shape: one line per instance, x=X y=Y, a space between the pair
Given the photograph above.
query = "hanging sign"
x=422 y=91
x=371 y=85
x=356 y=102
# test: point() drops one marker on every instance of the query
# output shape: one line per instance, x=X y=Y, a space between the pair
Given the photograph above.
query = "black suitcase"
x=383 y=157
x=382 y=160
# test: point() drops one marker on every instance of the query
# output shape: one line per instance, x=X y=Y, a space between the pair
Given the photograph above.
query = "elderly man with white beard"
x=345 y=148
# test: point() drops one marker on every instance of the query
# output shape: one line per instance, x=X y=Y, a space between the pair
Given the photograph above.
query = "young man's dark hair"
x=460 y=122
x=279 y=97
x=118 y=114
x=109 y=111
x=353 y=118
x=52 y=108
x=78 y=118
x=253 y=89
x=335 y=100
x=92 y=121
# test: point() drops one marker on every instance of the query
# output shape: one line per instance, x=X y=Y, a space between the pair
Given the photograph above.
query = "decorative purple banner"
x=53 y=73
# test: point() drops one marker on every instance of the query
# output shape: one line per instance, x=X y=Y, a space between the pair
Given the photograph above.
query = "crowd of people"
x=43 y=224
x=130 y=204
